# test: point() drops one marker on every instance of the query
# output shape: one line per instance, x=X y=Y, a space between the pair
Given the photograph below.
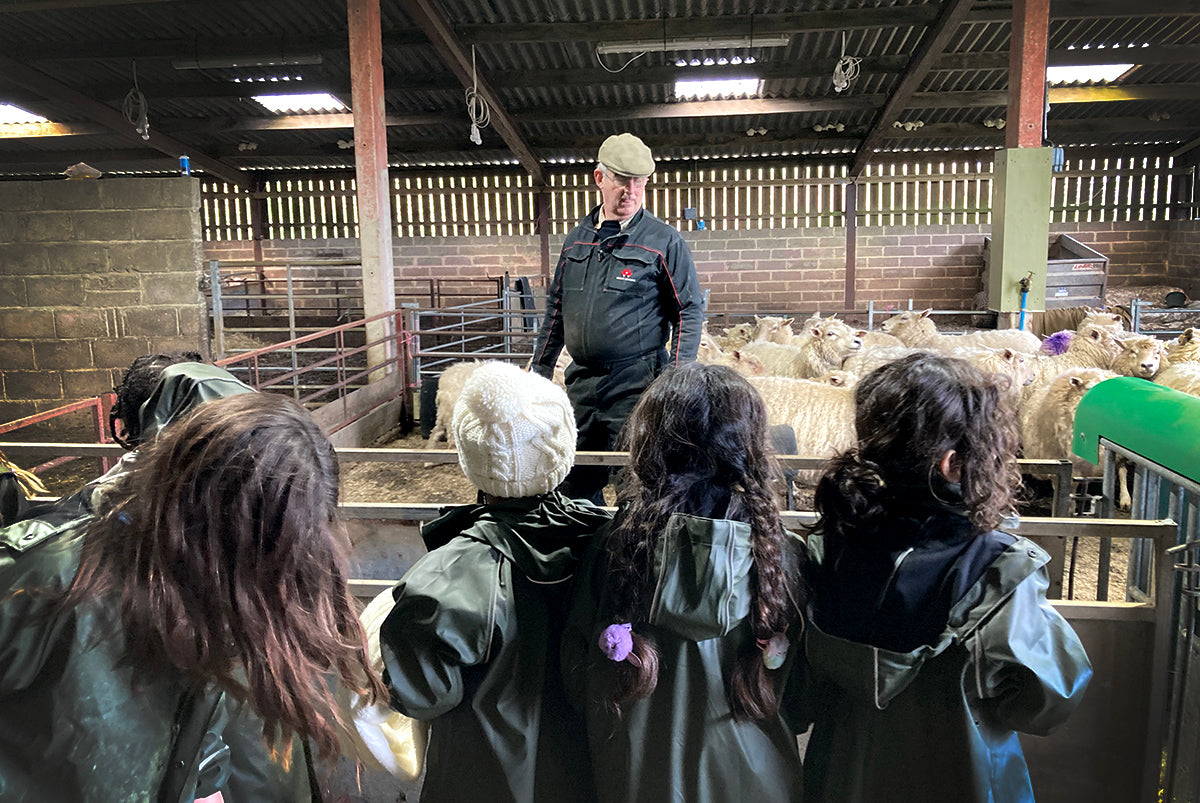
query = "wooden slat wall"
x=1092 y=187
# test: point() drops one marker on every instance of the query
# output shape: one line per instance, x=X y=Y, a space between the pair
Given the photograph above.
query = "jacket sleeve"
x=685 y=290
x=448 y=610
x=549 y=341
x=1029 y=666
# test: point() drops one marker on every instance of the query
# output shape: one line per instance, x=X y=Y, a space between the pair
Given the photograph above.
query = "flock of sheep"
x=807 y=377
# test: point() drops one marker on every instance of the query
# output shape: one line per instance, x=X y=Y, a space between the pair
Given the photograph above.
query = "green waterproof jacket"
x=72 y=725
x=472 y=644
x=682 y=743
x=941 y=722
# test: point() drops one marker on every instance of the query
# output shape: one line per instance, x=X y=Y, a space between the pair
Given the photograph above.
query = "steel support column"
x=1027 y=74
x=371 y=174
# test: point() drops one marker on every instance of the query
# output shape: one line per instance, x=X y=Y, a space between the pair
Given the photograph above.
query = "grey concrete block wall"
x=92 y=274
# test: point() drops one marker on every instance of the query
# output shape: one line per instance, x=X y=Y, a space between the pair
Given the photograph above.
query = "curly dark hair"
x=224 y=551
x=697 y=437
x=137 y=383
x=908 y=415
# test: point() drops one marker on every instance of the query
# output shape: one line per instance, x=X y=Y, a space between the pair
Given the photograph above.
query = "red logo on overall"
x=626 y=273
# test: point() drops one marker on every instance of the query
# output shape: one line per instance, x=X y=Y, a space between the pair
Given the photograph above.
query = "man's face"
x=622 y=196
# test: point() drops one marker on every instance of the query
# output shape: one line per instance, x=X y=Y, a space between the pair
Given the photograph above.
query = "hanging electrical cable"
x=478 y=111
x=136 y=108
x=846 y=69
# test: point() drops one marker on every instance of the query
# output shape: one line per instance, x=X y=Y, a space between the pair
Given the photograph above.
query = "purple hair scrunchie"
x=616 y=641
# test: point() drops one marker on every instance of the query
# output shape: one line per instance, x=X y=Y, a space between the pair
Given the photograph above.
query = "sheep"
x=1183 y=372
x=917 y=329
x=780 y=360
x=1185 y=348
x=773 y=329
x=449 y=388
x=1048 y=418
x=1141 y=356
x=832 y=341
x=739 y=360
x=1016 y=365
x=821 y=415
x=867 y=359
x=873 y=339
x=736 y=336
x=1092 y=347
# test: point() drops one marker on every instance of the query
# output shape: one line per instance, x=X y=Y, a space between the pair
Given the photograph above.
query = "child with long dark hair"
x=931 y=643
x=216 y=568
x=688 y=616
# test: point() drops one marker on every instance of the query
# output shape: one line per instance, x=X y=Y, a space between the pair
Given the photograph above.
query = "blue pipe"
x=1024 y=294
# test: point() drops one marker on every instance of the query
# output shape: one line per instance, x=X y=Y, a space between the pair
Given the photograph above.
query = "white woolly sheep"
x=780 y=360
x=1048 y=418
x=1183 y=373
x=773 y=329
x=1092 y=347
x=867 y=359
x=821 y=415
x=736 y=336
x=1016 y=365
x=449 y=388
x=1141 y=356
x=918 y=330
x=744 y=363
x=831 y=342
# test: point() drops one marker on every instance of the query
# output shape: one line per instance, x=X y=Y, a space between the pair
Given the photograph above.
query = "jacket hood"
x=702 y=577
x=879 y=674
x=181 y=388
x=543 y=536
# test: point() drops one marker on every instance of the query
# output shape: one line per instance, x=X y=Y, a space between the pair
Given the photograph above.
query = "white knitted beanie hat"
x=515 y=431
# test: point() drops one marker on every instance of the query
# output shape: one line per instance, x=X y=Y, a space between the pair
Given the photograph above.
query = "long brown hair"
x=908 y=414
x=699 y=429
x=229 y=563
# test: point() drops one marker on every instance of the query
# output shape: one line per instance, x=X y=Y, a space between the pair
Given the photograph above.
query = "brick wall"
x=93 y=274
x=778 y=269
x=1183 y=256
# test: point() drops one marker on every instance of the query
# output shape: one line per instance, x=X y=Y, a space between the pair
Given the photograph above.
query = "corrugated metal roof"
x=549 y=81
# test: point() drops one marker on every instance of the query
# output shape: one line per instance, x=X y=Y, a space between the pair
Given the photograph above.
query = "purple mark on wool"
x=1058 y=342
x=616 y=641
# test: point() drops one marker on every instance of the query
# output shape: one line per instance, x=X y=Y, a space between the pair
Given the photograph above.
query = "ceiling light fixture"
x=259 y=60
x=703 y=43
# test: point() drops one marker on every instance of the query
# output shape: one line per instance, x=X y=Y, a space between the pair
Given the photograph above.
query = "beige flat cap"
x=627 y=155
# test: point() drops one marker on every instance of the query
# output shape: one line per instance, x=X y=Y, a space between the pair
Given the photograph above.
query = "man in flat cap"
x=624 y=284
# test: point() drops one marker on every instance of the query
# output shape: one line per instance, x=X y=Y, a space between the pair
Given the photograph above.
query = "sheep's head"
x=748 y=364
x=773 y=329
x=839 y=379
x=908 y=321
x=1140 y=356
x=1023 y=369
x=1101 y=319
x=1096 y=341
x=1186 y=347
x=739 y=334
x=836 y=337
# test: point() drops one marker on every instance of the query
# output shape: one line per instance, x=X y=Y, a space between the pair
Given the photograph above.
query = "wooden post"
x=371 y=173
x=541 y=205
x=850 y=220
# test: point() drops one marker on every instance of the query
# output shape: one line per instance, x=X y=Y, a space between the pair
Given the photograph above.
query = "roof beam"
x=455 y=56
x=56 y=92
x=928 y=49
x=15 y=6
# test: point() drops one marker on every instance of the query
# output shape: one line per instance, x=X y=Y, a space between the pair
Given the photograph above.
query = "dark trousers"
x=603 y=396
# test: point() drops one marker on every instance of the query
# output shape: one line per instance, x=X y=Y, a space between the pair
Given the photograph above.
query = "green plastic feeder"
x=1160 y=424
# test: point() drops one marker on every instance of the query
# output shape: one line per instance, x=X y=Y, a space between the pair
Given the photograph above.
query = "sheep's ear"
x=787 y=322
x=1076 y=381
x=1096 y=334
x=737 y=355
x=1009 y=355
x=927 y=313
x=860 y=333
x=815 y=331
